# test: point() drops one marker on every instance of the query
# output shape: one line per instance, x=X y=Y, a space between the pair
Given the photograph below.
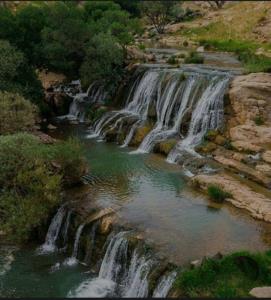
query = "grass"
x=194 y=58
x=217 y=194
x=245 y=51
x=232 y=276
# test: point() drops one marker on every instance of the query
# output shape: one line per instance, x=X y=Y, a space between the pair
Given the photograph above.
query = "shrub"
x=141 y=46
x=29 y=188
x=194 y=58
x=232 y=276
x=217 y=194
x=259 y=120
x=31 y=177
x=172 y=60
x=16 y=113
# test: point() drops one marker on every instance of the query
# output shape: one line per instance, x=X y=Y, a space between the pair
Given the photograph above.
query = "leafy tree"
x=131 y=6
x=64 y=39
x=104 y=59
x=8 y=26
x=158 y=13
x=96 y=9
x=16 y=113
x=30 y=21
x=17 y=76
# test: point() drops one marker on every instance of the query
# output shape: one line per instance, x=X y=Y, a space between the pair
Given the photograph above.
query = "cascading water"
x=136 y=106
x=53 y=232
x=73 y=259
x=176 y=94
x=164 y=285
x=66 y=227
x=94 y=94
x=137 y=282
x=208 y=114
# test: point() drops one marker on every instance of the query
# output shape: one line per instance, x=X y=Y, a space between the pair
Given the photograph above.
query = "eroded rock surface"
x=242 y=196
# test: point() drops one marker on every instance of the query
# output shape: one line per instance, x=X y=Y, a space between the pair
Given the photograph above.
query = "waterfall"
x=164 y=285
x=73 y=259
x=92 y=242
x=53 y=232
x=66 y=227
x=208 y=114
x=94 y=94
x=137 y=282
x=167 y=109
x=116 y=253
x=137 y=104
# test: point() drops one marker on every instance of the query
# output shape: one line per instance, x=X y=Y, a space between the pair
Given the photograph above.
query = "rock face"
x=243 y=196
x=251 y=103
x=261 y=292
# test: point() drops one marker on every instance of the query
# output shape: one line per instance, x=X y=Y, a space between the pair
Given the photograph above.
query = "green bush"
x=217 y=194
x=232 y=276
x=16 y=113
x=194 y=58
x=172 y=60
x=259 y=120
x=17 y=76
x=31 y=178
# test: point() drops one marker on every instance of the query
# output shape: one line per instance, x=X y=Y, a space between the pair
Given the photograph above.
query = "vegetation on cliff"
x=32 y=176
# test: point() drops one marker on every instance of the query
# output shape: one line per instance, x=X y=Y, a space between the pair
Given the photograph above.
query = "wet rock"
x=140 y=134
x=51 y=127
x=261 y=292
x=165 y=147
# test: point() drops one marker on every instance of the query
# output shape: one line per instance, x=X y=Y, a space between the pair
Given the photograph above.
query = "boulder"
x=261 y=292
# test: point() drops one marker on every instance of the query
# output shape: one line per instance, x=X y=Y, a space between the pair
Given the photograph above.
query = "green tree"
x=158 y=13
x=17 y=76
x=104 y=60
x=64 y=39
x=30 y=21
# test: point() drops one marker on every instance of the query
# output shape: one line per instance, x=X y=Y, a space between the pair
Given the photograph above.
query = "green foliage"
x=194 y=58
x=217 y=194
x=16 y=113
x=232 y=276
x=29 y=189
x=259 y=120
x=245 y=51
x=172 y=60
x=105 y=58
x=131 y=6
x=31 y=175
x=141 y=46
x=17 y=76
x=159 y=13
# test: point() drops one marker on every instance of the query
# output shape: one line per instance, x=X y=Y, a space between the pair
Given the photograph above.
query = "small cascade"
x=208 y=114
x=164 y=285
x=53 y=232
x=122 y=275
x=170 y=110
x=137 y=283
x=66 y=227
x=116 y=253
x=92 y=242
x=138 y=101
x=73 y=259
x=94 y=94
